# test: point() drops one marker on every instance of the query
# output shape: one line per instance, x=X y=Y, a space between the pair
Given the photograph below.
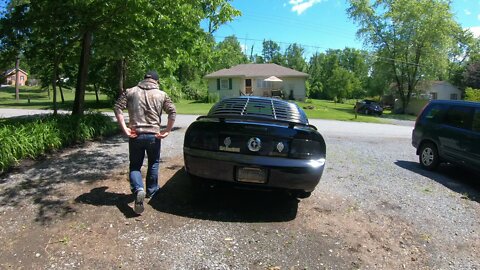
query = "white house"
x=257 y=80
x=430 y=90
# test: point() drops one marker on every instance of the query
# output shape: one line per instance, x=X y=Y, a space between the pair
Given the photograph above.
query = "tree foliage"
x=338 y=74
x=271 y=53
x=115 y=41
x=413 y=36
x=294 y=57
x=228 y=53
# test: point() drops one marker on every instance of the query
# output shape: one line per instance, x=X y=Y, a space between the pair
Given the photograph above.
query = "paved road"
x=399 y=128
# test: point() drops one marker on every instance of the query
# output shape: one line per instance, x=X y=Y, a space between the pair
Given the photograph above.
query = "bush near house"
x=33 y=136
x=472 y=94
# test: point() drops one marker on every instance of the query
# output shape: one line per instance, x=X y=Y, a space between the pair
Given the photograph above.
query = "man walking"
x=145 y=103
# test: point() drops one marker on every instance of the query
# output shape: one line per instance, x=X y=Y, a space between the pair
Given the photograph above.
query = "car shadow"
x=222 y=203
x=455 y=178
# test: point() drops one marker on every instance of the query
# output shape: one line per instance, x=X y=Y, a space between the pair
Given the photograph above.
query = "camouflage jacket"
x=145 y=103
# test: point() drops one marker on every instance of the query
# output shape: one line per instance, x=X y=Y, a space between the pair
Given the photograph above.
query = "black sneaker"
x=139 y=197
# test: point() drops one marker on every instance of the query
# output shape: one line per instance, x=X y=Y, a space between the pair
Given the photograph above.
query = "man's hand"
x=130 y=132
x=162 y=134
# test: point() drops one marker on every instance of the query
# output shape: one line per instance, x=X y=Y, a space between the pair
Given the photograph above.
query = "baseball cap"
x=151 y=74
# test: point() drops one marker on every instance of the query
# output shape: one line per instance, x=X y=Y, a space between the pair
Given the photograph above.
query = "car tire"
x=428 y=157
x=300 y=194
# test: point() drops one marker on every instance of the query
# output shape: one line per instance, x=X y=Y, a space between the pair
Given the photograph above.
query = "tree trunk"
x=121 y=75
x=54 y=86
x=61 y=90
x=78 y=105
x=96 y=91
x=17 y=78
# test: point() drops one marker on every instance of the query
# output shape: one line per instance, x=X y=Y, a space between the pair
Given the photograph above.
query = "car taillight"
x=306 y=149
x=202 y=140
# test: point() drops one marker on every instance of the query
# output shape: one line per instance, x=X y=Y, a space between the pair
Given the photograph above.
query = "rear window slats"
x=259 y=107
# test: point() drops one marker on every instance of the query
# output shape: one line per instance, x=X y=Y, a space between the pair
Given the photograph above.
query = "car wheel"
x=300 y=194
x=428 y=157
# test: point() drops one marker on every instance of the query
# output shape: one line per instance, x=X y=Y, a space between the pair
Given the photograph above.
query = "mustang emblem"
x=280 y=147
x=254 y=144
x=227 y=141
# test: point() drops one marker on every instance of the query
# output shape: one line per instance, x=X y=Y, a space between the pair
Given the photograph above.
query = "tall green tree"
x=316 y=78
x=294 y=57
x=228 y=53
x=271 y=53
x=412 y=35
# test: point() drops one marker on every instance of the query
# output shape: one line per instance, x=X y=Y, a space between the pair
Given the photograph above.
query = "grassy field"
x=35 y=98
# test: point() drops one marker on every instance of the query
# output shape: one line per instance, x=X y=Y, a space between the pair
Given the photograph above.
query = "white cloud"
x=467 y=12
x=475 y=31
x=300 y=6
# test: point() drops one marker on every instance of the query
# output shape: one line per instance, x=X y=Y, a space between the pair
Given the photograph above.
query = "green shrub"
x=172 y=87
x=472 y=94
x=195 y=90
x=32 y=137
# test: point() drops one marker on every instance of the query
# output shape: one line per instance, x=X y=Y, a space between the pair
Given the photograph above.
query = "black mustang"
x=256 y=141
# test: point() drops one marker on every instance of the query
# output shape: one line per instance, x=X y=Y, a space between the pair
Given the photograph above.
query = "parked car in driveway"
x=368 y=107
x=257 y=142
x=448 y=130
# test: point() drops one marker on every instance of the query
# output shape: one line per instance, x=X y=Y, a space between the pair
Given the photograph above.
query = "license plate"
x=252 y=175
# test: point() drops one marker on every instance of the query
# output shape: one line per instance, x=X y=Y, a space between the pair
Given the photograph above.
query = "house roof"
x=256 y=70
x=12 y=71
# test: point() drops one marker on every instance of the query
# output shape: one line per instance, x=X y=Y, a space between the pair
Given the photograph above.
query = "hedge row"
x=31 y=137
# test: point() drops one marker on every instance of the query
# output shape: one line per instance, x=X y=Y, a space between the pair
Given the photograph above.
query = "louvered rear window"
x=269 y=108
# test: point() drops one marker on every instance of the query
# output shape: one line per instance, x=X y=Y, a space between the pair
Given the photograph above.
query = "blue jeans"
x=137 y=147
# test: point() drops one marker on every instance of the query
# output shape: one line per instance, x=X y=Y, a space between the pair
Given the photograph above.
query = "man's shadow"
x=222 y=203
x=101 y=197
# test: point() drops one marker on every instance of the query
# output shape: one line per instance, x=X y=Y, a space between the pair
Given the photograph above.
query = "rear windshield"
x=434 y=113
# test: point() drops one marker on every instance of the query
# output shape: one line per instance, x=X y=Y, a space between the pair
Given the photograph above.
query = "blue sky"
x=315 y=24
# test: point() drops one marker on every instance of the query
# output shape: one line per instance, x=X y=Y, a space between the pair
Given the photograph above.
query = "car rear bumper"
x=295 y=174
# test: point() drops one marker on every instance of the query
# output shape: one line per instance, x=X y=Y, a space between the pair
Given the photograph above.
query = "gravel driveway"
x=373 y=209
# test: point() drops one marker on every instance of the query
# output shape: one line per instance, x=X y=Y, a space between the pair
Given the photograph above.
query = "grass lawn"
x=36 y=98
x=315 y=109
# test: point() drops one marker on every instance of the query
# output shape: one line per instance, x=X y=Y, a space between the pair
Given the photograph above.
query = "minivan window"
x=460 y=117
x=433 y=113
x=476 y=121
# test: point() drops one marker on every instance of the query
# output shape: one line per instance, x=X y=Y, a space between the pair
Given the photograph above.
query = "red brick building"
x=10 y=77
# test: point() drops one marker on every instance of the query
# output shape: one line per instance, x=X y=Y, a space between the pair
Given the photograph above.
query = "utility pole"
x=17 y=78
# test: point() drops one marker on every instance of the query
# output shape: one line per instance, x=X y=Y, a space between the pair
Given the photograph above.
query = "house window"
x=22 y=78
x=433 y=95
x=453 y=96
x=223 y=84
x=264 y=84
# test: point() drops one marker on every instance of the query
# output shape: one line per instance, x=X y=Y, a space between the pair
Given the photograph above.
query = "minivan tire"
x=428 y=157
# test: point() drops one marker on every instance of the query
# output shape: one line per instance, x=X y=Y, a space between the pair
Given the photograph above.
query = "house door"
x=248 y=86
